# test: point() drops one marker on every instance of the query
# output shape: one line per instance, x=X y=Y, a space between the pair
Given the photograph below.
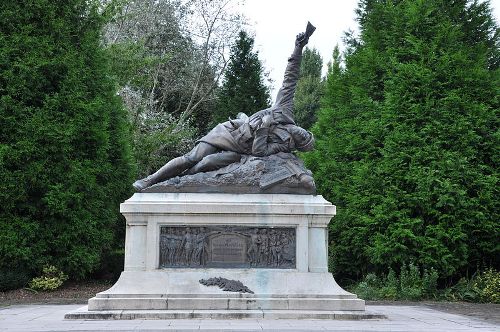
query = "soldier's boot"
x=307 y=181
x=173 y=168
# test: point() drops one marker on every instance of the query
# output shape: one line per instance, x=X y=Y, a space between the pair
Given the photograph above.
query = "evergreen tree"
x=407 y=139
x=311 y=64
x=243 y=88
x=64 y=156
x=309 y=89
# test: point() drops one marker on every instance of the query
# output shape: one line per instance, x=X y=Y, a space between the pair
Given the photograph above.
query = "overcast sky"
x=277 y=22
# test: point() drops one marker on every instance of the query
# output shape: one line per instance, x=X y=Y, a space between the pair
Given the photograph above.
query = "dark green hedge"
x=407 y=140
x=64 y=155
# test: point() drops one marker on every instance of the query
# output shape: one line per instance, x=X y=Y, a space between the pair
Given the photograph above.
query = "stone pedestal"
x=282 y=284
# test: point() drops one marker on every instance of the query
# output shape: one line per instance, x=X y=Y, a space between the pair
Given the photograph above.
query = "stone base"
x=304 y=289
x=178 y=294
x=180 y=289
x=84 y=313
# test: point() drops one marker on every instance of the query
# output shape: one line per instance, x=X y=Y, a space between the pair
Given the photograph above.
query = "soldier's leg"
x=215 y=161
x=177 y=165
x=200 y=151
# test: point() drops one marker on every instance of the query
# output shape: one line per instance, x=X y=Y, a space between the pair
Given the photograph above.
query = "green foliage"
x=311 y=63
x=158 y=139
x=130 y=60
x=463 y=290
x=487 y=286
x=309 y=89
x=368 y=289
x=243 y=88
x=412 y=285
x=51 y=279
x=111 y=267
x=409 y=285
x=64 y=156
x=407 y=137
x=13 y=278
x=482 y=287
x=156 y=66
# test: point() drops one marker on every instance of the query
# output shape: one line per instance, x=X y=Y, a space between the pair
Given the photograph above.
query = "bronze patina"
x=264 y=133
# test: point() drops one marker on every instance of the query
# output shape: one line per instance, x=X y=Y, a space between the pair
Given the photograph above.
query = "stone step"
x=224 y=295
x=235 y=303
x=84 y=313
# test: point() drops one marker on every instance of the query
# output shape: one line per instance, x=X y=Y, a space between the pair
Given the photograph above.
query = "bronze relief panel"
x=227 y=247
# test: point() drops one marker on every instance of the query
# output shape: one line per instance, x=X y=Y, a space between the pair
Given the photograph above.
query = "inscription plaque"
x=227 y=246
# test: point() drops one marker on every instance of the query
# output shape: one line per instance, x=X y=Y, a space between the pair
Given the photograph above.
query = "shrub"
x=429 y=282
x=51 y=279
x=111 y=265
x=463 y=290
x=410 y=285
x=13 y=279
x=487 y=286
x=390 y=288
x=368 y=289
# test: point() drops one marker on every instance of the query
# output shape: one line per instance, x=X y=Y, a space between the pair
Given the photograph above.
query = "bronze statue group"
x=266 y=132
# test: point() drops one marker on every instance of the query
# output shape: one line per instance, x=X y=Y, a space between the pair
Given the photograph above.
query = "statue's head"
x=303 y=139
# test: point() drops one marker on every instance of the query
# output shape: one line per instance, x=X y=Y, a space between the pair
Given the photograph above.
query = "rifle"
x=309 y=30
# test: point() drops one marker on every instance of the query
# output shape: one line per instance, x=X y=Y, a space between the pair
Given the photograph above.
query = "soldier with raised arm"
x=264 y=133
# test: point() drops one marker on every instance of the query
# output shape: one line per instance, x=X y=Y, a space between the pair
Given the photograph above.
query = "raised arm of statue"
x=284 y=99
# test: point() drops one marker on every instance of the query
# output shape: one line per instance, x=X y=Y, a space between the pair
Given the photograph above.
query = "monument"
x=233 y=229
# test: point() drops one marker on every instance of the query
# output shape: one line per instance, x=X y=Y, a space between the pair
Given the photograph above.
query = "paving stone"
x=400 y=318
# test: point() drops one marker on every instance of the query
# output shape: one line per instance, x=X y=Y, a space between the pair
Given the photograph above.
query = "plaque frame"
x=211 y=246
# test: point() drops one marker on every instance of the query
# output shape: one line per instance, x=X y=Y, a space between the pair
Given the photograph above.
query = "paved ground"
x=401 y=318
x=488 y=312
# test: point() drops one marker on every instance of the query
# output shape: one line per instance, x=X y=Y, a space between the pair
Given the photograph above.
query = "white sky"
x=277 y=22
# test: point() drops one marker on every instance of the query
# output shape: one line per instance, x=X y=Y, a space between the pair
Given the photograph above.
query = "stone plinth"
x=304 y=289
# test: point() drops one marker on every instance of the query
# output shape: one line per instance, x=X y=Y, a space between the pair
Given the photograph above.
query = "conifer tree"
x=64 y=156
x=243 y=88
x=406 y=139
x=309 y=88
